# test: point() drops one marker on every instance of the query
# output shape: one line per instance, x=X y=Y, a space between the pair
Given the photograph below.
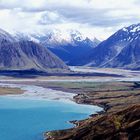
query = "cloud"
x=96 y=16
x=50 y=18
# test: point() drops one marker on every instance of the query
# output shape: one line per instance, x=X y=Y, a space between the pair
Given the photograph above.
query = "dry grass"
x=10 y=91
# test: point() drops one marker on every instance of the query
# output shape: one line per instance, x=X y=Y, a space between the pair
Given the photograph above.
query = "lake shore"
x=10 y=91
x=38 y=92
x=114 y=97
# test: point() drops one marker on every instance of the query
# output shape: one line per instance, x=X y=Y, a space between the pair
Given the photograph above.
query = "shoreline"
x=60 y=95
x=48 y=135
x=112 y=97
x=108 y=110
x=21 y=87
x=4 y=91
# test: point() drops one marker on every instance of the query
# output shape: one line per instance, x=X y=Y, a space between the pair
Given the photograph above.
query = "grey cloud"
x=47 y=19
x=137 y=2
x=91 y=16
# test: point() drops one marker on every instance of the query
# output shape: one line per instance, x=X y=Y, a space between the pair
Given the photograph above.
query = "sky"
x=93 y=18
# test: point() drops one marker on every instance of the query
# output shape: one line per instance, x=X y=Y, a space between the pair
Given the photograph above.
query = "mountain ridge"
x=108 y=52
x=69 y=47
x=25 y=55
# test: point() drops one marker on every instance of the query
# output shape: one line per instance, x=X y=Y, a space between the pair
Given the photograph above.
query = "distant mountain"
x=121 y=50
x=69 y=46
x=18 y=54
x=128 y=58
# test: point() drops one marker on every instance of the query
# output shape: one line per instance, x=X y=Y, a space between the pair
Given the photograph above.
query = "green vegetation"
x=117 y=121
x=93 y=86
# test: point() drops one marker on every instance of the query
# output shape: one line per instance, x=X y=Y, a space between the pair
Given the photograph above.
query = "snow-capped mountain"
x=73 y=50
x=70 y=46
x=120 y=50
x=22 y=54
x=5 y=36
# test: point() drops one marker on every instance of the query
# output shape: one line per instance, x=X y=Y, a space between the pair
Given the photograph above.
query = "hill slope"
x=26 y=55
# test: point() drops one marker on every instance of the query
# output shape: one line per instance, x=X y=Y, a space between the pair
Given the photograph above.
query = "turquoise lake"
x=26 y=119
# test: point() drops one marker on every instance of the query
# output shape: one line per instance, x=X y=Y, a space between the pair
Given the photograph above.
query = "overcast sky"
x=98 y=18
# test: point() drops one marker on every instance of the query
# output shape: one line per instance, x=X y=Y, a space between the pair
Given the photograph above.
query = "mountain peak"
x=120 y=50
x=129 y=33
x=5 y=36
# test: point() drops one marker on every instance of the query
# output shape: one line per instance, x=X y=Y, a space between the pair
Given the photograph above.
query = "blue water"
x=22 y=119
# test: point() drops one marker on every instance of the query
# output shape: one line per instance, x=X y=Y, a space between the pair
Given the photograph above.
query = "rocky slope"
x=26 y=55
x=120 y=50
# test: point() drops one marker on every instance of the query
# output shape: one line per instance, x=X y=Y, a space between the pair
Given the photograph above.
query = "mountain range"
x=121 y=50
x=69 y=46
x=27 y=55
x=44 y=52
